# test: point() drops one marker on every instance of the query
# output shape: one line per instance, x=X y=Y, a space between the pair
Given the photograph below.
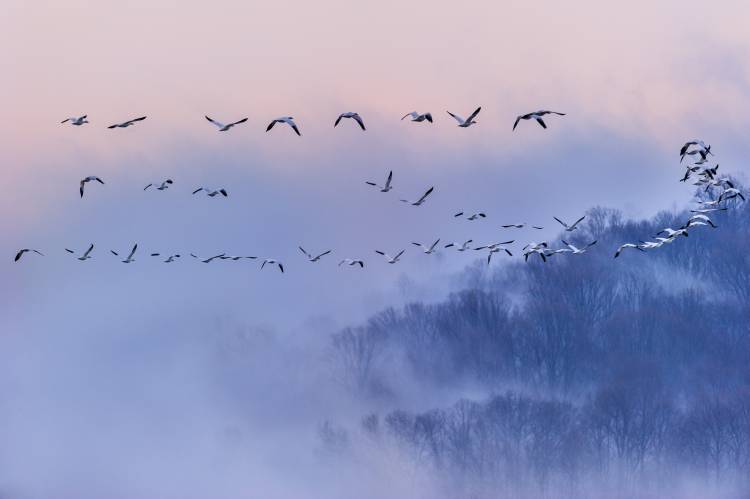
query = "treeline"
x=642 y=361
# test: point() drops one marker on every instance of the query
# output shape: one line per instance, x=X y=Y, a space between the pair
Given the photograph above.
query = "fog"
x=192 y=380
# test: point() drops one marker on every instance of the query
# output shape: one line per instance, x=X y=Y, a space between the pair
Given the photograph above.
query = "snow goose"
x=207 y=260
x=26 y=250
x=287 y=120
x=211 y=192
x=571 y=227
x=428 y=250
x=271 y=261
x=536 y=115
x=626 y=246
x=85 y=256
x=465 y=123
x=128 y=123
x=387 y=186
x=222 y=127
x=130 y=258
x=76 y=121
x=473 y=216
x=390 y=259
x=352 y=262
x=575 y=250
x=312 y=258
x=163 y=186
x=415 y=116
x=421 y=200
x=88 y=179
x=459 y=246
x=520 y=226
x=356 y=117
x=170 y=258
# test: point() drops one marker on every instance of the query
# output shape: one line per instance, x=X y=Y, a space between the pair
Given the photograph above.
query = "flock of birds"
x=703 y=175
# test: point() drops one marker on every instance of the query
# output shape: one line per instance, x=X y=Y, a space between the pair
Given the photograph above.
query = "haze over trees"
x=584 y=377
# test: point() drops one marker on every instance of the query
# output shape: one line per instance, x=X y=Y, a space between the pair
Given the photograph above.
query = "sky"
x=635 y=82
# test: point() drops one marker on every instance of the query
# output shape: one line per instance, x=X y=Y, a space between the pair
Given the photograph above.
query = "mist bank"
x=583 y=376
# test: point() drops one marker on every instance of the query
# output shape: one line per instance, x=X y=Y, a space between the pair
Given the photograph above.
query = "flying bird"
x=571 y=227
x=235 y=258
x=538 y=248
x=130 y=258
x=459 y=246
x=415 y=116
x=128 y=123
x=520 y=226
x=286 y=119
x=312 y=258
x=465 y=123
x=473 y=216
x=84 y=256
x=207 y=260
x=26 y=250
x=536 y=115
x=389 y=258
x=383 y=188
x=495 y=248
x=222 y=127
x=90 y=178
x=421 y=200
x=170 y=258
x=76 y=121
x=356 y=117
x=702 y=149
x=211 y=192
x=626 y=246
x=428 y=250
x=576 y=250
x=271 y=261
x=164 y=185
x=731 y=193
x=352 y=262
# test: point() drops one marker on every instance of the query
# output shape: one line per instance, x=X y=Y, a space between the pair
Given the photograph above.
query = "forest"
x=585 y=376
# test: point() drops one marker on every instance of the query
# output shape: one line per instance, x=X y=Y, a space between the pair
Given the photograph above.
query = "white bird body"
x=428 y=250
x=128 y=123
x=352 y=262
x=130 y=258
x=536 y=115
x=208 y=259
x=88 y=179
x=314 y=258
x=626 y=246
x=356 y=117
x=222 y=127
x=575 y=250
x=465 y=123
x=76 y=121
x=162 y=186
x=391 y=259
x=472 y=217
x=415 y=116
x=287 y=120
x=26 y=250
x=211 y=192
x=459 y=246
x=271 y=261
x=421 y=200
x=495 y=248
x=387 y=186
x=520 y=226
x=85 y=256
x=571 y=227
